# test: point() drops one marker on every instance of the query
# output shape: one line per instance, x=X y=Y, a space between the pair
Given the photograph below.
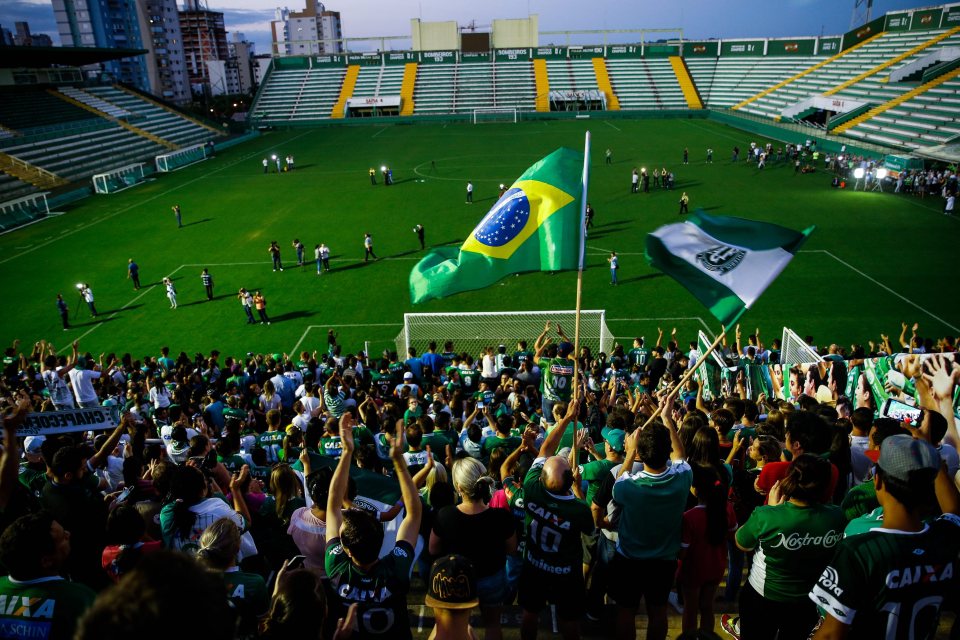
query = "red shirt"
x=773 y=472
x=702 y=563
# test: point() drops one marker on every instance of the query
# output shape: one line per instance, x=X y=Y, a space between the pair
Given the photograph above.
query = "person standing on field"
x=261 y=304
x=469 y=193
x=246 y=300
x=274 y=252
x=298 y=247
x=368 y=248
x=176 y=212
x=171 y=292
x=133 y=273
x=614 y=265
x=64 y=311
x=420 y=235
x=684 y=202
x=207 y=280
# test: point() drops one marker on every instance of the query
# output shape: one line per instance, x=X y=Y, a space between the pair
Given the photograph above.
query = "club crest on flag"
x=509 y=222
x=721 y=258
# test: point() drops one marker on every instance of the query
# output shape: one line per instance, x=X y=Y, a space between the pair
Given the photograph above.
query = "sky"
x=699 y=19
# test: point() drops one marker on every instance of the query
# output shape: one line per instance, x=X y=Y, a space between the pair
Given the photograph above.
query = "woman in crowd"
x=483 y=535
x=794 y=537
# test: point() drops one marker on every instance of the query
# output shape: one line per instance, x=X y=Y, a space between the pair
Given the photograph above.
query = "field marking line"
x=303 y=336
x=612 y=125
x=108 y=216
x=379 y=132
x=886 y=288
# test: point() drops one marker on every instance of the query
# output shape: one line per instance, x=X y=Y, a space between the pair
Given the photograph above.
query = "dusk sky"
x=366 y=18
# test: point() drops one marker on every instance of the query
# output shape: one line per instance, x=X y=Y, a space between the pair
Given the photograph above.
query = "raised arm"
x=237 y=481
x=539 y=344
x=659 y=336
x=100 y=457
x=550 y=443
x=409 y=529
x=10 y=462
x=526 y=444
x=341 y=476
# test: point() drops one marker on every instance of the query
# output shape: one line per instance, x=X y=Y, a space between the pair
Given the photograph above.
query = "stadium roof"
x=39 y=57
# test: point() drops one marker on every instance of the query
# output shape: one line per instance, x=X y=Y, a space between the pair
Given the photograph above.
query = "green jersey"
x=33 y=479
x=638 y=356
x=383 y=382
x=469 y=379
x=331 y=446
x=795 y=543
x=519 y=357
x=646 y=498
x=237 y=414
x=396 y=371
x=234 y=463
x=554 y=525
x=437 y=441
x=381 y=593
x=247 y=592
x=593 y=472
x=866 y=522
x=272 y=443
x=860 y=500
x=45 y=608
x=494 y=442
x=557 y=378
x=448 y=357
x=891 y=584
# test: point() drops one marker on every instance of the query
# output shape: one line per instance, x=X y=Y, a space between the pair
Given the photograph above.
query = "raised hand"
x=941 y=378
x=398 y=444
x=346 y=431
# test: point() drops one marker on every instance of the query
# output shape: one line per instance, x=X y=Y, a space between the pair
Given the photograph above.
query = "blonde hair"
x=470 y=479
x=219 y=544
x=437 y=475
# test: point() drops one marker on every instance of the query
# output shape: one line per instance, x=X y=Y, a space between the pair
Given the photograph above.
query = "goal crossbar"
x=473 y=332
x=495 y=114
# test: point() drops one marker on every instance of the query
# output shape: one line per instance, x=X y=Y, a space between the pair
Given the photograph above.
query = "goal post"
x=474 y=332
x=119 y=179
x=180 y=158
x=495 y=114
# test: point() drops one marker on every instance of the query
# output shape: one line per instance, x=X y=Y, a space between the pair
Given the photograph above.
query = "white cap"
x=408 y=376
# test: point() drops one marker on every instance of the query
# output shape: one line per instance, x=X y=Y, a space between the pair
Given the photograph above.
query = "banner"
x=926 y=19
x=550 y=53
x=791 y=47
x=438 y=57
x=624 y=51
x=511 y=55
x=893 y=385
x=710 y=48
x=742 y=48
x=400 y=57
x=328 y=61
x=828 y=46
x=897 y=21
x=58 y=422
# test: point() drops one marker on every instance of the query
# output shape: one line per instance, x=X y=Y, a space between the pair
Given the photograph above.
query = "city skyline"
x=368 y=19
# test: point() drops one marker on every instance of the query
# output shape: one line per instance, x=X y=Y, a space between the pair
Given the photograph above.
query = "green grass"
x=232 y=211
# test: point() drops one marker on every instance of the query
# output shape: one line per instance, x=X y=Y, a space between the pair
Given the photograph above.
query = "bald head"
x=557 y=476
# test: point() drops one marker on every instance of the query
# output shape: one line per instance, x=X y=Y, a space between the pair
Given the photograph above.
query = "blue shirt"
x=133 y=268
x=433 y=362
x=416 y=367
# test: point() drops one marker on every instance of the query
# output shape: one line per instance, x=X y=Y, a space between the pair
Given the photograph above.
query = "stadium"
x=250 y=287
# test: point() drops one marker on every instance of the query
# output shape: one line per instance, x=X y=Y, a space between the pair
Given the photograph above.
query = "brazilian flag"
x=534 y=226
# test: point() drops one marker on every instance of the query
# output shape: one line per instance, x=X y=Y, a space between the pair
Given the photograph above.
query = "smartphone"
x=296 y=562
x=893 y=408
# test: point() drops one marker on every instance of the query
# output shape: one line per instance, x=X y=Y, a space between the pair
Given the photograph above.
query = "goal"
x=496 y=114
x=474 y=332
x=794 y=350
x=181 y=157
x=119 y=179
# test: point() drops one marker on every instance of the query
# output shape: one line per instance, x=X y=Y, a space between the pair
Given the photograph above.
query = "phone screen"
x=897 y=410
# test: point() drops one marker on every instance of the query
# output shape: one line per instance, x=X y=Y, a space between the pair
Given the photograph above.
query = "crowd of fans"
x=298 y=496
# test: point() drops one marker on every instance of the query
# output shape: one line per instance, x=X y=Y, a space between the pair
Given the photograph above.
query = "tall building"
x=309 y=32
x=233 y=76
x=23 y=37
x=166 y=68
x=109 y=25
x=204 y=41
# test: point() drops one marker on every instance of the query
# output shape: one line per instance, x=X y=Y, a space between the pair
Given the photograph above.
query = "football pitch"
x=875 y=259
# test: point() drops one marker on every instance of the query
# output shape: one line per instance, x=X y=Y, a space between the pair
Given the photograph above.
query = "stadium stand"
x=726 y=81
x=26 y=110
x=860 y=65
x=290 y=95
x=646 y=84
x=160 y=121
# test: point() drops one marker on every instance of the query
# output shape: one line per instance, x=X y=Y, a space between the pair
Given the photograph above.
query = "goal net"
x=474 y=332
x=119 y=179
x=496 y=114
x=181 y=157
x=794 y=350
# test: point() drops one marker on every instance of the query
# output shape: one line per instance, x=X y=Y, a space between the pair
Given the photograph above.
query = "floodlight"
x=840 y=158
x=501 y=186
x=881 y=174
x=643 y=169
x=858 y=173
x=383 y=168
x=273 y=157
x=79 y=285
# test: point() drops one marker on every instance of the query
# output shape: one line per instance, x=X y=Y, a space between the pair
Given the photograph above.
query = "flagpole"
x=686 y=376
x=583 y=242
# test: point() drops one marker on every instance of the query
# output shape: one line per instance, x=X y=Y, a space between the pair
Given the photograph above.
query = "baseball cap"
x=614 y=438
x=32 y=444
x=453 y=584
x=899 y=455
x=564 y=348
x=408 y=376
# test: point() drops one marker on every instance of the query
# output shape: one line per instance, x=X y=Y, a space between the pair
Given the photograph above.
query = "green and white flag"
x=726 y=263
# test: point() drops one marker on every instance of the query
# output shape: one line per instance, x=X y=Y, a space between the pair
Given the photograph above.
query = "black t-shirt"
x=479 y=537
